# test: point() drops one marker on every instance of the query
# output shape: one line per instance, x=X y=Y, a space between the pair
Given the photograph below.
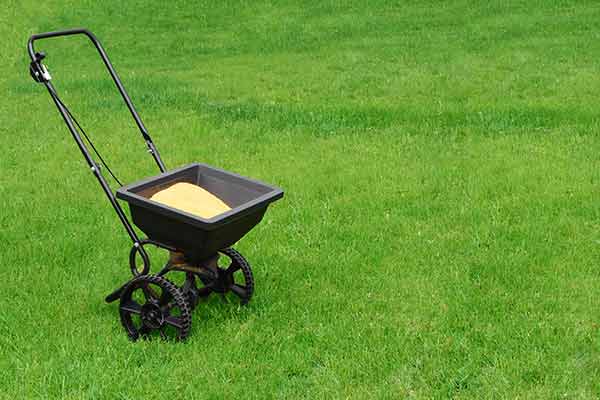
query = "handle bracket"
x=38 y=71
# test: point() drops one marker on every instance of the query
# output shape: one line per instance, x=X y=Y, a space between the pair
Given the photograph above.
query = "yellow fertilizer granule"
x=192 y=199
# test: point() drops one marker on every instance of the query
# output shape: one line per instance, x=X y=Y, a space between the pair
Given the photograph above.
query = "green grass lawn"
x=440 y=232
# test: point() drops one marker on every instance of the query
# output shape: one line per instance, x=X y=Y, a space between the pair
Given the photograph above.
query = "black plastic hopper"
x=196 y=237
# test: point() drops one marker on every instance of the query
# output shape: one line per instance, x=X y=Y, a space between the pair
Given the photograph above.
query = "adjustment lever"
x=37 y=70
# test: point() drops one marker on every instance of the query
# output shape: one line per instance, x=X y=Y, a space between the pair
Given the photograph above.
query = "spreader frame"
x=195 y=245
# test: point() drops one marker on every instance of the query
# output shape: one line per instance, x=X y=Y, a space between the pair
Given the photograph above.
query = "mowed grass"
x=440 y=231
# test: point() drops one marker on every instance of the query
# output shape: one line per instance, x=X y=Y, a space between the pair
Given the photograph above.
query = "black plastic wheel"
x=152 y=304
x=234 y=275
x=242 y=283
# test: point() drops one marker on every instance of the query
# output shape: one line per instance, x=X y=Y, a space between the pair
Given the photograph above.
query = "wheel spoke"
x=233 y=267
x=174 y=321
x=166 y=309
x=239 y=290
x=164 y=298
x=131 y=307
x=149 y=293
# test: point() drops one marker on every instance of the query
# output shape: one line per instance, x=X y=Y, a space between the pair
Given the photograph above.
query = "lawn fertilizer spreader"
x=152 y=305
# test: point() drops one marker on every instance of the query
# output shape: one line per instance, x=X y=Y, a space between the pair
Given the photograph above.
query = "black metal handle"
x=36 y=61
x=40 y=74
x=67 y=32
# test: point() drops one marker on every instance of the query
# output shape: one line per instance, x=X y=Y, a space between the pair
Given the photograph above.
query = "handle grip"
x=76 y=31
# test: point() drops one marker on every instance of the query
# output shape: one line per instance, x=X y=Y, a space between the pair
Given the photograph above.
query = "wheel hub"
x=219 y=280
x=152 y=316
x=223 y=281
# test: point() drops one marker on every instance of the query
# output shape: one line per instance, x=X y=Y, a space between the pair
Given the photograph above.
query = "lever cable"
x=55 y=97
